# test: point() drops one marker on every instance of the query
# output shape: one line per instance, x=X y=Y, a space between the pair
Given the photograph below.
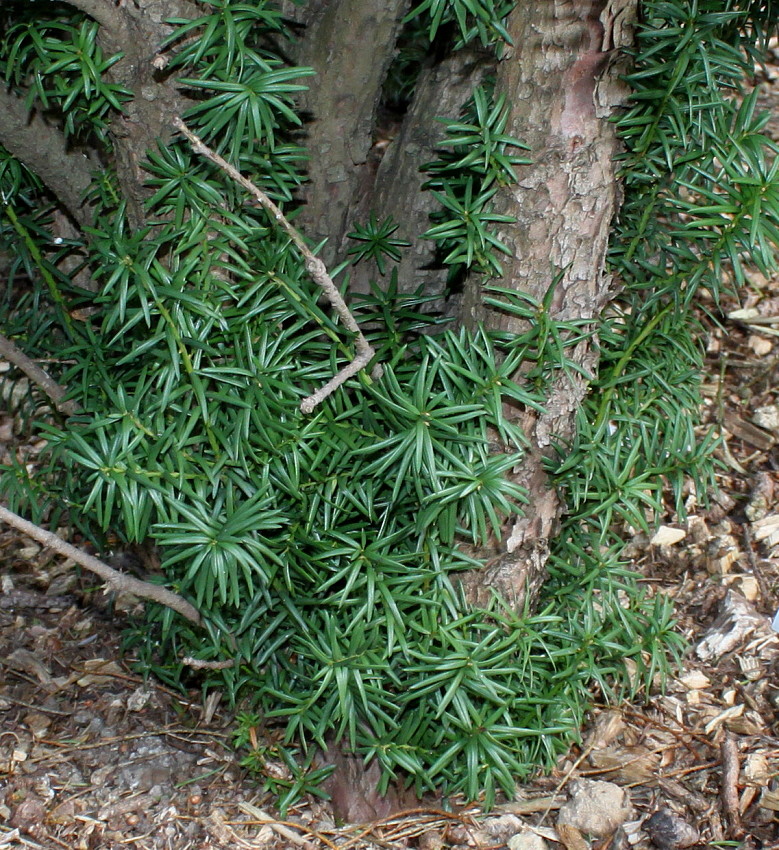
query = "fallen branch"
x=315 y=267
x=282 y=828
x=38 y=376
x=117 y=580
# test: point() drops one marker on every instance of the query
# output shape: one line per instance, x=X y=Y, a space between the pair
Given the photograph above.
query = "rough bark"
x=441 y=91
x=156 y=98
x=306 y=15
x=350 y=44
x=41 y=146
x=561 y=82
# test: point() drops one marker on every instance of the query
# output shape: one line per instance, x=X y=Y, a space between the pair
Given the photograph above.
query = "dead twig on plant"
x=315 y=267
x=117 y=580
x=38 y=376
x=200 y=664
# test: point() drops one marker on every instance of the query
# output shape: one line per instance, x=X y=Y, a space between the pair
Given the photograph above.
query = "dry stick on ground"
x=729 y=786
x=37 y=375
x=315 y=267
x=283 y=828
x=119 y=581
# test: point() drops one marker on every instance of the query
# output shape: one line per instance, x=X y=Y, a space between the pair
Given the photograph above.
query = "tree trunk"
x=441 y=91
x=560 y=79
x=350 y=44
x=139 y=32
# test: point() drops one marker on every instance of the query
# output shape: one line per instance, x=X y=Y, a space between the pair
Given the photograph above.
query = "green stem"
x=624 y=360
x=32 y=247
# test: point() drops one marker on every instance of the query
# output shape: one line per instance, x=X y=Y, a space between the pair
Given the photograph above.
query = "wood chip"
x=571 y=838
x=741 y=429
x=769 y=800
x=737 y=621
x=767 y=529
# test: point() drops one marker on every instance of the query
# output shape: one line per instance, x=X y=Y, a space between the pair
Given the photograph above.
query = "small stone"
x=64 y=814
x=760 y=345
x=767 y=417
x=596 y=808
x=668 y=831
x=37 y=723
x=431 y=840
x=667 y=536
x=28 y=815
x=138 y=699
x=526 y=840
x=571 y=838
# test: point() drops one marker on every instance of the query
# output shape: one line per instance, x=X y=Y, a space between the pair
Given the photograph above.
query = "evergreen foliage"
x=320 y=549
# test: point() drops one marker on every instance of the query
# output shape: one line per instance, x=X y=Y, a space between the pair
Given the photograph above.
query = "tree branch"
x=106 y=13
x=117 y=580
x=38 y=376
x=314 y=266
x=42 y=148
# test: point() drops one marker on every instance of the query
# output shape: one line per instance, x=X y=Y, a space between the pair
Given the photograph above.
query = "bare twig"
x=729 y=787
x=38 y=376
x=119 y=581
x=314 y=266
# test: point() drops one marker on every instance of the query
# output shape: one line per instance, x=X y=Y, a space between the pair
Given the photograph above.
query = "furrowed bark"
x=350 y=44
x=136 y=30
x=561 y=82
